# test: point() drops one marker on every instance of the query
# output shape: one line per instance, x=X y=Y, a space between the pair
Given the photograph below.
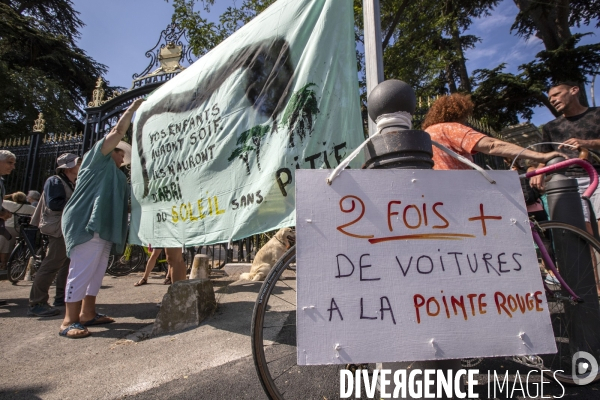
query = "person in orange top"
x=445 y=124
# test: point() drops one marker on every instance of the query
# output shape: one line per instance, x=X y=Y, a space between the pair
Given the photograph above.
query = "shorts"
x=89 y=261
x=583 y=184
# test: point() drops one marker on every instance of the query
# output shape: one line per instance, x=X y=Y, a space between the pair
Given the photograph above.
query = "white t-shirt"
x=18 y=208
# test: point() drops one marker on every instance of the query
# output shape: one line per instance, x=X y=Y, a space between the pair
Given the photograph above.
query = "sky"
x=119 y=32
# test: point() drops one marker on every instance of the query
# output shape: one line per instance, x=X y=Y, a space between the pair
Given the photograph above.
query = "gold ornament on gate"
x=39 y=124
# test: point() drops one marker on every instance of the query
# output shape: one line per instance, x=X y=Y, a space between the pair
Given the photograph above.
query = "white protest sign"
x=405 y=265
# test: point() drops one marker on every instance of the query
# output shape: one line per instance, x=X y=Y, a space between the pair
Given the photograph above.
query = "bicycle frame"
x=567 y=163
x=23 y=236
x=586 y=195
x=548 y=263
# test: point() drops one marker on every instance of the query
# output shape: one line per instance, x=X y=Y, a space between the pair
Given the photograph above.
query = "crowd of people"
x=84 y=207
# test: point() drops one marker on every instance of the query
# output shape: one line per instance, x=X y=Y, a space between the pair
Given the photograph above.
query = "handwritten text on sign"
x=405 y=265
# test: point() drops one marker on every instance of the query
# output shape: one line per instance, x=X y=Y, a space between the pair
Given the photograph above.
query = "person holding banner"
x=95 y=219
x=445 y=123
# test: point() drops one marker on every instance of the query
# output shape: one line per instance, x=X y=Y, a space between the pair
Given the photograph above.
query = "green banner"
x=215 y=149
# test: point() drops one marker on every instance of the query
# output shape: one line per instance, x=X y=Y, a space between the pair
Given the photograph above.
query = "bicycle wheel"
x=274 y=342
x=17 y=262
x=127 y=262
x=580 y=246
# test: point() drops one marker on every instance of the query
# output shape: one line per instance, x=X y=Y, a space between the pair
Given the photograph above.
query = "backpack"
x=48 y=221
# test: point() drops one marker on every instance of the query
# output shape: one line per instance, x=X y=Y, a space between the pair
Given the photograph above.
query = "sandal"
x=141 y=282
x=167 y=281
x=77 y=326
x=99 y=319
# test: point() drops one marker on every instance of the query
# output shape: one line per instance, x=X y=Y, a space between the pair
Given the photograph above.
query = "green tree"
x=203 y=34
x=424 y=43
x=502 y=97
x=41 y=67
x=562 y=58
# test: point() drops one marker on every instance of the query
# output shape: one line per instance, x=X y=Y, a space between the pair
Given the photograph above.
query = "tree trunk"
x=461 y=63
x=583 y=99
x=450 y=78
x=552 y=27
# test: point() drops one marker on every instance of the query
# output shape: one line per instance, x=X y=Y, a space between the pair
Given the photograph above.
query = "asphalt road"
x=213 y=361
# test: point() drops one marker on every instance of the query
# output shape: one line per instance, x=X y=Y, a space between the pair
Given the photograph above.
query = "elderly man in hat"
x=58 y=189
x=95 y=220
x=7 y=165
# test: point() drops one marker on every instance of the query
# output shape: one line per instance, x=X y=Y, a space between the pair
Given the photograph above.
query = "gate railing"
x=36 y=158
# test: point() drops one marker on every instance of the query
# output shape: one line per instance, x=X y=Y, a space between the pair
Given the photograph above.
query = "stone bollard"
x=28 y=270
x=185 y=305
x=200 y=268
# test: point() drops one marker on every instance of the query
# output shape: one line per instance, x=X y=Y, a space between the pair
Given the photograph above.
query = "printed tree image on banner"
x=216 y=148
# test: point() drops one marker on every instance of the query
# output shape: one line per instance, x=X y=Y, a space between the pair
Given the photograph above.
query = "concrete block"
x=200 y=267
x=185 y=305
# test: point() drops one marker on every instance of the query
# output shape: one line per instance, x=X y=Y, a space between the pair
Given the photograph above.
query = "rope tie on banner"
x=400 y=119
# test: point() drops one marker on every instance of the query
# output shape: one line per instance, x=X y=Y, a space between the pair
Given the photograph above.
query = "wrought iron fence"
x=30 y=174
x=240 y=251
x=20 y=148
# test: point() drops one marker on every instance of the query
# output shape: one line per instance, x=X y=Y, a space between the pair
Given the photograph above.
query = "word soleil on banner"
x=216 y=147
x=407 y=265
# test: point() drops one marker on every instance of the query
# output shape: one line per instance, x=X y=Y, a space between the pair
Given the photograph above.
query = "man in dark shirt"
x=578 y=126
x=57 y=191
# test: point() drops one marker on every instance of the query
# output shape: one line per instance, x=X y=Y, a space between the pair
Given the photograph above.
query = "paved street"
x=213 y=361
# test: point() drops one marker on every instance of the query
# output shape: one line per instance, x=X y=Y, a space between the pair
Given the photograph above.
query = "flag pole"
x=373 y=50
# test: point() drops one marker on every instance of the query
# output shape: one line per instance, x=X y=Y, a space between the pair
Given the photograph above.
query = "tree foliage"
x=203 y=34
x=425 y=42
x=41 y=67
x=561 y=60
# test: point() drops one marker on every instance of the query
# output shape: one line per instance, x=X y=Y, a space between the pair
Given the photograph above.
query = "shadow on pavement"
x=29 y=393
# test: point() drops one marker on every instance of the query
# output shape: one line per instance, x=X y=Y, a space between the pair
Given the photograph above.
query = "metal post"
x=89 y=132
x=399 y=147
x=576 y=266
x=32 y=161
x=373 y=50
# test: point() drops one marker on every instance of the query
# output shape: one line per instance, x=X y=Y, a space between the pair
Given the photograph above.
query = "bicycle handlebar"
x=567 y=163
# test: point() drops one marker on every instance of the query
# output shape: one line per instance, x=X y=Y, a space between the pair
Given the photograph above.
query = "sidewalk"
x=118 y=359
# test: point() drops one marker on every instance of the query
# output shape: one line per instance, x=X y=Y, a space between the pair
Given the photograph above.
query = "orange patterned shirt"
x=457 y=137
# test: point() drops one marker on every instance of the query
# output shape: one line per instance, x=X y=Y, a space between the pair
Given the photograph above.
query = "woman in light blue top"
x=94 y=220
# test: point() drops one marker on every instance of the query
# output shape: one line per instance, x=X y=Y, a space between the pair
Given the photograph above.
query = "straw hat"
x=126 y=147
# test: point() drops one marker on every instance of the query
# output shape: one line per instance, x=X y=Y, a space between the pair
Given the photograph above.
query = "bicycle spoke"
x=286 y=370
x=287 y=285
x=282 y=299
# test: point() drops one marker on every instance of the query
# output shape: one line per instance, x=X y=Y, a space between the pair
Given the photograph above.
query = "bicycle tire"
x=127 y=262
x=274 y=347
x=561 y=361
x=16 y=265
